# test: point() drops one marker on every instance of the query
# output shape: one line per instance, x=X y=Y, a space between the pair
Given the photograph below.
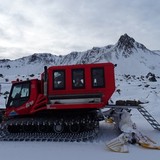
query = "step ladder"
x=149 y=117
x=141 y=109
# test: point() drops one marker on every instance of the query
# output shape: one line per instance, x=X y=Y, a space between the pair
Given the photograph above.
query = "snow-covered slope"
x=128 y=87
x=130 y=56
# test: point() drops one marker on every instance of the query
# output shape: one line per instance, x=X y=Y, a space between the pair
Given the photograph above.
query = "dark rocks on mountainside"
x=141 y=46
x=118 y=91
x=31 y=75
x=41 y=57
x=4 y=60
x=151 y=77
x=147 y=85
x=6 y=93
x=6 y=80
x=1 y=75
x=7 y=66
x=33 y=58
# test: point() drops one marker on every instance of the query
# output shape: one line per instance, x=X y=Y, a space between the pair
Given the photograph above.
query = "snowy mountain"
x=133 y=81
x=130 y=56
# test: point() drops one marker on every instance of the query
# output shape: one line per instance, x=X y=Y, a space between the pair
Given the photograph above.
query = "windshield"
x=19 y=94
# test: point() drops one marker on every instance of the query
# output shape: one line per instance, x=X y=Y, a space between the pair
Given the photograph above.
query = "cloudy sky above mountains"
x=62 y=26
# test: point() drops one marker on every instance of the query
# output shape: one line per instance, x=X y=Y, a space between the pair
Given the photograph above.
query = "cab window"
x=59 y=79
x=78 y=79
x=97 y=75
x=19 y=94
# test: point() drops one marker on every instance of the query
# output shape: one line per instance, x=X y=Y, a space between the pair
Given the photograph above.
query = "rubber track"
x=66 y=137
x=5 y=135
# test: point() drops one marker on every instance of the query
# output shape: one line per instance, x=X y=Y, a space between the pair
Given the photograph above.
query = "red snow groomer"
x=64 y=105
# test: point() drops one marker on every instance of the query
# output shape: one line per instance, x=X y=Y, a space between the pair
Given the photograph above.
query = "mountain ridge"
x=126 y=52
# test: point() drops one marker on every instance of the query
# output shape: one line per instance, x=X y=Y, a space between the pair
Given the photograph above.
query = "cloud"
x=62 y=26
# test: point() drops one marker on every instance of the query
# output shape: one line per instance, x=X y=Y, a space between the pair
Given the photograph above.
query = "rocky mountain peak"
x=127 y=45
x=126 y=42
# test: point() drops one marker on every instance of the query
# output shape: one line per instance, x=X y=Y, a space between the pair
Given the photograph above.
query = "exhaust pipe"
x=45 y=81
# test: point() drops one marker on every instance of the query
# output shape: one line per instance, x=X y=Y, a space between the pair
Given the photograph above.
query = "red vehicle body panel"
x=56 y=98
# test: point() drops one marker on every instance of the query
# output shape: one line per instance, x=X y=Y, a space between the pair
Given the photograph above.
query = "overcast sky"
x=62 y=26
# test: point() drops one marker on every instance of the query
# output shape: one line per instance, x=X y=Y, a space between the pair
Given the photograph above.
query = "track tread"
x=85 y=135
